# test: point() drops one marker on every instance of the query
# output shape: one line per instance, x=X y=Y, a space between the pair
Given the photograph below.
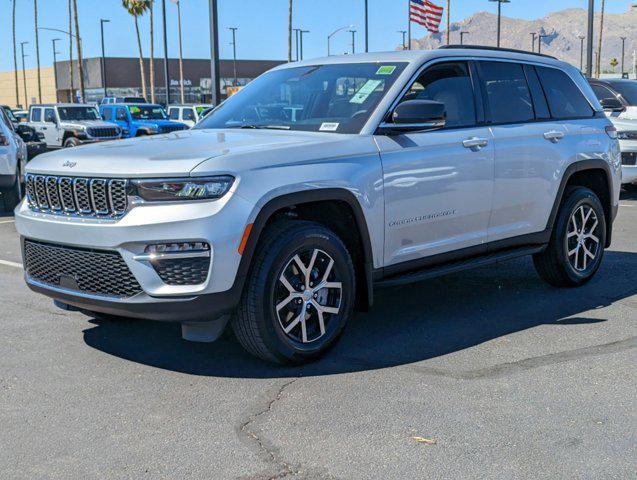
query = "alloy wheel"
x=582 y=239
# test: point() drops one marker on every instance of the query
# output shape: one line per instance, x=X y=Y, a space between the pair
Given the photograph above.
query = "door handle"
x=554 y=136
x=475 y=144
x=43 y=128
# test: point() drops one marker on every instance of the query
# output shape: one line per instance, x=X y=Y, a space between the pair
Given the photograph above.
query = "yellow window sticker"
x=365 y=91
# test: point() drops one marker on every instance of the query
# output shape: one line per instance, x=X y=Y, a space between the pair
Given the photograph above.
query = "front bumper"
x=629 y=161
x=144 y=225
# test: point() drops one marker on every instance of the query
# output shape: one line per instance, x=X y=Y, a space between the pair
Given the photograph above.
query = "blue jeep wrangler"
x=137 y=119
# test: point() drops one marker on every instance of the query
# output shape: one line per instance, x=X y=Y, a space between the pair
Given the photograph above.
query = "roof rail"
x=497 y=49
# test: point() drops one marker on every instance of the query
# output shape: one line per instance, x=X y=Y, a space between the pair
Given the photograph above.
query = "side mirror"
x=416 y=115
x=26 y=132
x=612 y=104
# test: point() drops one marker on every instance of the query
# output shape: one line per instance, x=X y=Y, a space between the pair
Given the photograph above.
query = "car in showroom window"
x=335 y=98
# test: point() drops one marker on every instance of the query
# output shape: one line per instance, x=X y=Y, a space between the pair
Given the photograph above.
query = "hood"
x=85 y=124
x=629 y=114
x=624 y=124
x=174 y=154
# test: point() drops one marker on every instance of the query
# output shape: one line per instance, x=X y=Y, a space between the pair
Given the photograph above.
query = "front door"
x=438 y=185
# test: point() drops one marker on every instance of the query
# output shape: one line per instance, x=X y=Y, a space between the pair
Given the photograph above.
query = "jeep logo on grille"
x=69 y=164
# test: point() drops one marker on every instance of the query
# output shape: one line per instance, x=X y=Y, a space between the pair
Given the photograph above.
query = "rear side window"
x=36 y=115
x=508 y=95
x=174 y=114
x=565 y=99
x=448 y=83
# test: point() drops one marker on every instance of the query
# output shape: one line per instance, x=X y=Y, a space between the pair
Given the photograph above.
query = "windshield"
x=10 y=114
x=328 y=98
x=78 y=113
x=628 y=91
x=147 y=112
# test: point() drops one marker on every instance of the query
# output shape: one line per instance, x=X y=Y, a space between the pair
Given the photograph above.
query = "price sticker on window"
x=365 y=91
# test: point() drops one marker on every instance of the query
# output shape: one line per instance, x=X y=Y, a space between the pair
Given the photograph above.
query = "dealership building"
x=122 y=78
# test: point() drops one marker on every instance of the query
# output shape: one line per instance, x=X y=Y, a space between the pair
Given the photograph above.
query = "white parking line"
x=6 y=221
x=11 y=264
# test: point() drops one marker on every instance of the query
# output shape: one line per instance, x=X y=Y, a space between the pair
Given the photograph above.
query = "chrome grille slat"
x=79 y=196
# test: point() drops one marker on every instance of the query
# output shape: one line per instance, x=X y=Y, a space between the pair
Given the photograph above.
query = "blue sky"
x=262 y=25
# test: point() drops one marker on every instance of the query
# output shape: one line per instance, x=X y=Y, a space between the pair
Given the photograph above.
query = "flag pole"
x=448 y=20
x=408 y=24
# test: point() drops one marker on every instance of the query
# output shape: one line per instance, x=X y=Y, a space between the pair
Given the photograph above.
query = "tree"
x=78 y=43
x=181 y=56
x=290 y=31
x=72 y=83
x=15 y=62
x=601 y=36
x=613 y=63
x=136 y=8
x=37 y=48
x=149 y=7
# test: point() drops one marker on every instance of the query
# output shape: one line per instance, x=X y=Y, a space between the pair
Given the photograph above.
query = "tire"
x=12 y=195
x=555 y=265
x=281 y=336
x=71 y=142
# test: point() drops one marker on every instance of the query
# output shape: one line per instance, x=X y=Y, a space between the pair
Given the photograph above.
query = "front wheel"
x=577 y=243
x=299 y=294
x=71 y=142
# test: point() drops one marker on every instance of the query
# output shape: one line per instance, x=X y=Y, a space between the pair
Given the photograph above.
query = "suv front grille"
x=629 y=158
x=172 y=128
x=91 y=197
x=103 y=132
x=86 y=271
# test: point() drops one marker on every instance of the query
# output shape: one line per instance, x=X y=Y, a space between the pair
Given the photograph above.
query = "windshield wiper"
x=267 y=127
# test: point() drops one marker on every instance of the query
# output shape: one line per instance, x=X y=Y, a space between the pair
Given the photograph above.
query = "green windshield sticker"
x=386 y=70
x=134 y=109
x=365 y=91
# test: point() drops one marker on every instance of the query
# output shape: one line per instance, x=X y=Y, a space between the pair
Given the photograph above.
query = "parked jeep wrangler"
x=287 y=206
x=70 y=125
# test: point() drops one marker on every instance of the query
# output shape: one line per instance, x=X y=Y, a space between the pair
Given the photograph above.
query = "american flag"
x=425 y=13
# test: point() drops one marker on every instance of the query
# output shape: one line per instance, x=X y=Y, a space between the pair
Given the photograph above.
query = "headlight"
x=627 y=135
x=206 y=188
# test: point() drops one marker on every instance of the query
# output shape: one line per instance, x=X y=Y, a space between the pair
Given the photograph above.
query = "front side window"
x=49 y=115
x=147 y=112
x=120 y=115
x=448 y=83
x=565 y=99
x=189 y=114
x=337 y=98
x=78 y=113
x=107 y=114
x=507 y=91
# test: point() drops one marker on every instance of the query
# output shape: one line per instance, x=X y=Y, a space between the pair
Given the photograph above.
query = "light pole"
x=367 y=27
x=623 y=39
x=102 y=22
x=462 y=34
x=234 y=53
x=589 y=38
x=78 y=39
x=24 y=75
x=296 y=42
x=329 y=37
x=353 y=32
x=166 y=74
x=403 y=33
x=215 y=94
x=500 y=2
x=533 y=35
x=581 y=52
x=55 y=72
x=301 y=33
x=539 y=42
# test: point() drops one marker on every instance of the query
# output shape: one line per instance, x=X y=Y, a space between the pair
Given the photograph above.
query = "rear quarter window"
x=565 y=99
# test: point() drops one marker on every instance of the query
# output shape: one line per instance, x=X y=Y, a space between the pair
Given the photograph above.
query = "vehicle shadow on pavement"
x=407 y=324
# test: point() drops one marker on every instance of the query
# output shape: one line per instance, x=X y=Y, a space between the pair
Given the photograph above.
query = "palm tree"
x=78 y=43
x=136 y=8
x=15 y=62
x=72 y=83
x=290 y=31
x=37 y=48
x=601 y=35
x=181 y=57
x=149 y=7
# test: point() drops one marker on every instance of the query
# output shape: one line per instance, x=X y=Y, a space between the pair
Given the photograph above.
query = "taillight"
x=4 y=141
x=611 y=131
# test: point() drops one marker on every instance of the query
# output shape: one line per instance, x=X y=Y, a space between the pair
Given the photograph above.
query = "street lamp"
x=215 y=94
x=589 y=38
x=462 y=34
x=353 y=32
x=533 y=35
x=301 y=33
x=24 y=76
x=296 y=41
x=102 y=22
x=403 y=33
x=329 y=37
x=166 y=74
x=539 y=42
x=55 y=72
x=234 y=53
x=581 y=52
x=623 y=39
x=500 y=2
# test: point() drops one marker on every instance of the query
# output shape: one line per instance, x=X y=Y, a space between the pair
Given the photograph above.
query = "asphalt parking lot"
x=485 y=374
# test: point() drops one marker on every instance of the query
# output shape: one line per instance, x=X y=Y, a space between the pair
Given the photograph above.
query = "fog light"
x=177 y=250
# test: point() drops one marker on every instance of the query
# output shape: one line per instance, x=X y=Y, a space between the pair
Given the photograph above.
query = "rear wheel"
x=577 y=243
x=298 y=296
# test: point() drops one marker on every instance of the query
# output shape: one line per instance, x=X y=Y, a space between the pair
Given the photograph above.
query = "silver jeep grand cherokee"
x=322 y=180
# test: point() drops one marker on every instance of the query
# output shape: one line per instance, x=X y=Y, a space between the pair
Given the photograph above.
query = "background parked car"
x=70 y=125
x=21 y=115
x=13 y=159
x=112 y=100
x=188 y=114
x=140 y=119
